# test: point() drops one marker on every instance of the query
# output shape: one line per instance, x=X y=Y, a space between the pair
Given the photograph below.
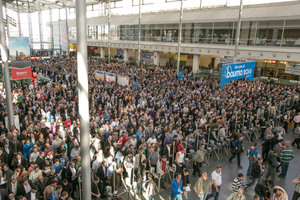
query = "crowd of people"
x=136 y=134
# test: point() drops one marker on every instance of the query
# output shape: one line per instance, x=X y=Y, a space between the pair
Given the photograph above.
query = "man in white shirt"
x=152 y=140
x=216 y=177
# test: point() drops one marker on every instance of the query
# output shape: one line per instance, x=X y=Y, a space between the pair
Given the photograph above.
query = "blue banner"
x=149 y=55
x=136 y=85
x=235 y=71
x=120 y=52
x=181 y=75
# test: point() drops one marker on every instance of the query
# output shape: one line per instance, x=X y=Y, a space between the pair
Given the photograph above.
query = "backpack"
x=250 y=152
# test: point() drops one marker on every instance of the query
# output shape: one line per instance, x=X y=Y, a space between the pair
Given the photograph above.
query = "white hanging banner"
x=123 y=80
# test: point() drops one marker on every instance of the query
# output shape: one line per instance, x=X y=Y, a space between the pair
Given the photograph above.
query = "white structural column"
x=83 y=92
x=156 y=58
x=238 y=30
x=196 y=63
x=125 y=55
x=179 y=36
x=108 y=23
x=102 y=52
x=5 y=70
x=139 y=38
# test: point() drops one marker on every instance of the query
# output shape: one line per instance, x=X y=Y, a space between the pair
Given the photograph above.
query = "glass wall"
x=254 y=33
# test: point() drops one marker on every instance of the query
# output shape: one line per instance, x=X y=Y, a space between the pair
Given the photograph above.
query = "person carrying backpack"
x=252 y=157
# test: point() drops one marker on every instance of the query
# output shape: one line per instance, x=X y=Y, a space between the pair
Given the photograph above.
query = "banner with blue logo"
x=235 y=71
x=136 y=85
x=146 y=54
x=120 y=52
x=181 y=75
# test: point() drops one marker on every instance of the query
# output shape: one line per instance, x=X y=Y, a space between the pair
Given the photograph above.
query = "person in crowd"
x=262 y=188
x=198 y=161
x=237 y=148
x=151 y=188
x=296 y=194
x=252 y=157
x=256 y=172
x=238 y=183
x=238 y=195
x=176 y=188
x=285 y=158
x=216 y=177
x=203 y=186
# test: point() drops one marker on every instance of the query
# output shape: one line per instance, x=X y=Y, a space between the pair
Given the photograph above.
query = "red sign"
x=21 y=73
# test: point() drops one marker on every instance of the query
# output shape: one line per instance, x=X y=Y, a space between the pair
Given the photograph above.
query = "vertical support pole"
x=29 y=27
x=51 y=32
x=67 y=27
x=82 y=70
x=238 y=30
x=179 y=36
x=139 y=39
x=6 y=16
x=19 y=19
x=41 y=28
x=108 y=15
x=59 y=32
x=5 y=70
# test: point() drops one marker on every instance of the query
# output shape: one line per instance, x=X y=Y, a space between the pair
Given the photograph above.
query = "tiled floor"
x=230 y=171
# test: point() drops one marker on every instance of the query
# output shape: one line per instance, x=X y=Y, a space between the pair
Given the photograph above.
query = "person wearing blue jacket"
x=176 y=188
x=28 y=145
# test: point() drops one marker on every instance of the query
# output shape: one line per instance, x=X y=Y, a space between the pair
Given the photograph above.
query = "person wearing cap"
x=34 y=194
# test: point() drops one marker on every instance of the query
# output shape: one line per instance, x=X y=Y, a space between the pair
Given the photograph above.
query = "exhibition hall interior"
x=149 y=99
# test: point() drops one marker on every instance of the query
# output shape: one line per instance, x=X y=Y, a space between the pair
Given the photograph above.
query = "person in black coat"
x=21 y=187
x=66 y=186
x=40 y=161
x=256 y=172
x=34 y=191
x=71 y=175
x=19 y=161
x=11 y=183
x=262 y=188
x=102 y=174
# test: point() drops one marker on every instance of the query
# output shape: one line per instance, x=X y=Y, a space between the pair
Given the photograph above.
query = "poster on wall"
x=110 y=77
x=148 y=55
x=99 y=75
x=123 y=80
x=19 y=51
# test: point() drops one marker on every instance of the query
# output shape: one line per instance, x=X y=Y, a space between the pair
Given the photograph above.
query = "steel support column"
x=67 y=27
x=179 y=36
x=238 y=30
x=19 y=19
x=82 y=72
x=108 y=18
x=139 y=38
x=5 y=70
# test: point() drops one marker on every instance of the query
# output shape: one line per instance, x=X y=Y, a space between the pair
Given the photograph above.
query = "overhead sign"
x=146 y=54
x=110 y=77
x=99 y=75
x=235 y=71
x=19 y=51
x=181 y=75
x=18 y=73
x=73 y=46
x=123 y=80
x=182 y=57
x=292 y=68
x=136 y=85
x=120 y=52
